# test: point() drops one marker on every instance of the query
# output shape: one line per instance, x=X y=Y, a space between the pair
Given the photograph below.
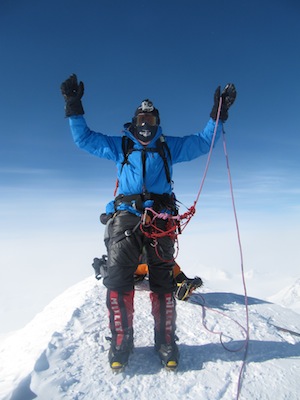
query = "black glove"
x=72 y=92
x=228 y=96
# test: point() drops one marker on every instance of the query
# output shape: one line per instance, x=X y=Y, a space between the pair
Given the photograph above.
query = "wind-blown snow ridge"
x=62 y=353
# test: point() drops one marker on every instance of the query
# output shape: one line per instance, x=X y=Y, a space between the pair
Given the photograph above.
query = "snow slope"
x=62 y=352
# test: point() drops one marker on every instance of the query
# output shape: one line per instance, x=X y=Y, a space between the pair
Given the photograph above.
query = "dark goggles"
x=146 y=118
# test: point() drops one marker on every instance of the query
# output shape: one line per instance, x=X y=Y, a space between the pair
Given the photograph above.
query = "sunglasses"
x=148 y=118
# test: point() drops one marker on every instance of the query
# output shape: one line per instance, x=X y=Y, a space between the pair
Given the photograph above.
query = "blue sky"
x=175 y=53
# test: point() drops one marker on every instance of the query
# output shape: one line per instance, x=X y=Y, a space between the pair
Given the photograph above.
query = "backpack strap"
x=127 y=147
x=163 y=149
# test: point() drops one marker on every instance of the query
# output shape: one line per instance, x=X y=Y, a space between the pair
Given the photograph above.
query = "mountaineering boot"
x=164 y=313
x=120 y=307
x=186 y=287
x=119 y=353
x=169 y=356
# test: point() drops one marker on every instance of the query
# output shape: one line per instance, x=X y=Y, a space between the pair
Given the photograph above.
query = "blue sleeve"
x=98 y=144
x=110 y=207
x=188 y=148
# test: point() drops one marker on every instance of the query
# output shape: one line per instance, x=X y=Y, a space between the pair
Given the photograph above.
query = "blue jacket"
x=130 y=177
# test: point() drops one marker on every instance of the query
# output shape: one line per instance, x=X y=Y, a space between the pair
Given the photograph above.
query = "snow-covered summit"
x=62 y=353
x=289 y=297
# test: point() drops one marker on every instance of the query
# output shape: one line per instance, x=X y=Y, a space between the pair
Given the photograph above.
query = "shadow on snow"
x=223 y=300
x=193 y=358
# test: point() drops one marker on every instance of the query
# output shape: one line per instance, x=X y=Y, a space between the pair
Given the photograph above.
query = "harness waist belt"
x=160 y=201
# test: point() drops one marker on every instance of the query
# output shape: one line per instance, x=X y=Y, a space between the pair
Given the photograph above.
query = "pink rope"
x=210 y=152
x=242 y=271
x=246 y=330
x=220 y=333
x=185 y=218
x=188 y=217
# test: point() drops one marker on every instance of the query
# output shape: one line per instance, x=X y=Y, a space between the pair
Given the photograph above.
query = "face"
x=146 y=127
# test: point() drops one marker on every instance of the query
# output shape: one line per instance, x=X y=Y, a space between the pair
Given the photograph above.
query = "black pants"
x=125 y=245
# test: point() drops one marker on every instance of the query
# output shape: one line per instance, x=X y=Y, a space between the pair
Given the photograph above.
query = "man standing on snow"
x=145 y=180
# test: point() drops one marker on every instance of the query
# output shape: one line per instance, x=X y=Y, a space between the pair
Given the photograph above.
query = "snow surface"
x=63 y=352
